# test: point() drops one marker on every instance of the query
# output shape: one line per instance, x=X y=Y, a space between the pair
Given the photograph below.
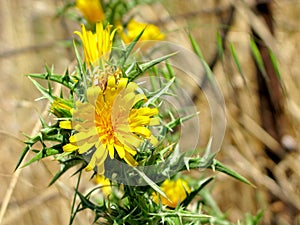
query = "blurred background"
x=262 y=104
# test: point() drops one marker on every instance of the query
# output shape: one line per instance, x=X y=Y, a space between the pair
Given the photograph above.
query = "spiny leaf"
x=79 y=61
x=130 y=47
x=34 y=139
x=160 y=92
x=42 y=154
x=151 y=183
x=221 y=168
x=191 y=196
x=65 y=165
x=141 y=68
x=45 y=92
x=23 y=154
x=29 y=143
x=87 y=204
x=174 y=123
x=186 y=214
x=65 y=80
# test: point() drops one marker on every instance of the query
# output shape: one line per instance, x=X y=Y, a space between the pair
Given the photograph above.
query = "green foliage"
x=258 y=58
x=237 y=63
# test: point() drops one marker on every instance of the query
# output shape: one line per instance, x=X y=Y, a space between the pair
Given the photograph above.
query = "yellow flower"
x=91 y=10
x=105 y=184
x=176 y=191
x=61 y=107
x=66 y=124
x=96 y=45
x=134 y=28
x=108 y=124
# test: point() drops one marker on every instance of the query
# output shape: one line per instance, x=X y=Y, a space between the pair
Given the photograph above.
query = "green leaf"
x=151 y=183
x=275 y=65
x=130 y=47
x=141 y=68
x=198 y=52
x=64 y=80
x=87 y=204
x=79 y=61
x=277 y=71
x=161 y=91
x=45 y=92
x=42 y=154
x=171 y=72
x=192 y=195
x=221 y=168
x=209 y=201
x=237 y=63
x=23 y=154
x=254 y=220
x=65 y=165
x=186 y=214
x=175 y=122
x=196 y=47
x=258 y=59
x=199 y=163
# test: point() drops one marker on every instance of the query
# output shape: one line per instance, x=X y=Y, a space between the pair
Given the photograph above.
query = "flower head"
x=61 y=107
x=96 y=45
x=176 y=191
x=105 y=184
x=91 y=10
x=134 y=28
x=109 y=124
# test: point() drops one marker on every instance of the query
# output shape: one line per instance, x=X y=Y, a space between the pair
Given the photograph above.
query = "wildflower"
x=61 y=107
x=105 y=184
x=108 y=123
x=176 y=191
x=96 y=45
x=134 y=28
x=91 y=10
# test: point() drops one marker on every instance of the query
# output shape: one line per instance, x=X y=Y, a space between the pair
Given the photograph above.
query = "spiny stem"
x=73 y=214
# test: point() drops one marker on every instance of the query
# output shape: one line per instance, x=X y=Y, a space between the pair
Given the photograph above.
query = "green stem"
x=73 y=214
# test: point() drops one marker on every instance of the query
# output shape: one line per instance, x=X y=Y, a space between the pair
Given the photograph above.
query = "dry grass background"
x=28 y=40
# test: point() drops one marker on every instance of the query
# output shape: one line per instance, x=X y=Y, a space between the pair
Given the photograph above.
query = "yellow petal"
x=130 y=150
x=154 y=121
x=85 y=147
x=91 y=164
x=70 y=147
x=91 y=10
x=105 y=183
x=145 y=132
x=130 y=160
x=65 y=125
x=82 y=136
x=120 y=150
x=111 y=82
x=122 y=83
x=111 y=150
